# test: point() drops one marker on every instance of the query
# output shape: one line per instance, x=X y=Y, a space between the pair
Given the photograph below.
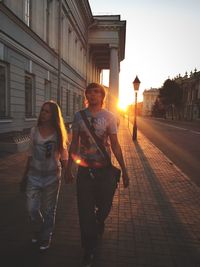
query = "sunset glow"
x=126 y=98
x=156 y=47
x=122 y=105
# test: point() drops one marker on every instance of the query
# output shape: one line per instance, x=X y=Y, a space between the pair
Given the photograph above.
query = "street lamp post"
x=128 y=116
x=136 y=85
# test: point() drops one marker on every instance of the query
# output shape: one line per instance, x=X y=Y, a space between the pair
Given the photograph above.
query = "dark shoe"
x=23 y=185
x=88 y=259
x=100 y=229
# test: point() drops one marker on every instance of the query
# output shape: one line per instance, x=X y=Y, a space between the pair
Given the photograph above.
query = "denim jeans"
x=41 y=204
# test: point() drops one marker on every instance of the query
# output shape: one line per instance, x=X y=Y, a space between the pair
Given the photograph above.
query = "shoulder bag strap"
x=95 y=137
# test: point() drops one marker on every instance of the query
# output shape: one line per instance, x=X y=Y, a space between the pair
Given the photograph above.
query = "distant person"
x=46 y=160
x=95 y=189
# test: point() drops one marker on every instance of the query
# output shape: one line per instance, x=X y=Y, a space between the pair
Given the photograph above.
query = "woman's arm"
x=72 y=150
x=23 y=182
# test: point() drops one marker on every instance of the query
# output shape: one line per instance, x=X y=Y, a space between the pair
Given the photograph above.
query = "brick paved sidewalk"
x=153 y=223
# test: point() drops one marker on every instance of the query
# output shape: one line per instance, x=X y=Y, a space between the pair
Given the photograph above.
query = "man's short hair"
x=96 y=85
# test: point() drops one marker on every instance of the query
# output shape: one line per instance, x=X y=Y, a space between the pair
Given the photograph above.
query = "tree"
x=158 y=109
x=171 y=96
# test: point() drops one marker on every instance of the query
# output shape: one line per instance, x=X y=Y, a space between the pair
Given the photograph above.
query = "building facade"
x=190 y=101
x=51 y=49
x=149 y=99
x=190 y=85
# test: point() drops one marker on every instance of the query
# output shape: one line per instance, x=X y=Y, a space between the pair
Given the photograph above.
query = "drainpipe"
x=59 y=53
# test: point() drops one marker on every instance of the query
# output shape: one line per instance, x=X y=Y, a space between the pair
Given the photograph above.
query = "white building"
x=149 y=98
x=51 y=49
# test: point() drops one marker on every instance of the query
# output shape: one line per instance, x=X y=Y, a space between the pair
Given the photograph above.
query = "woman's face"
x=45 y=113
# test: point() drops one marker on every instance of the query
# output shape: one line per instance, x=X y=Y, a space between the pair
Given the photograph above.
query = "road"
x=179 y=141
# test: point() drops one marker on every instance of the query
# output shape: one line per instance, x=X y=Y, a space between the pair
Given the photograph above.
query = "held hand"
x=125 y=179
x=68 y=177
x=23 y=184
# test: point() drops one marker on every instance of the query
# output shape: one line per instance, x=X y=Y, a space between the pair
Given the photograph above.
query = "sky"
x=162 y=41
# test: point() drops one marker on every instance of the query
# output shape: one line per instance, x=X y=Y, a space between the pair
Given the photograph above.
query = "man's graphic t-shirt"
x=103 y=123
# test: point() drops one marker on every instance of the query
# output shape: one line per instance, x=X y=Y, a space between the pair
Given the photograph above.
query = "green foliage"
x=158 y=109
x=171 y=93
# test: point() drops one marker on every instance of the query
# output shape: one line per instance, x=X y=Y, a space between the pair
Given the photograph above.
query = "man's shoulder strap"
x=95 y=137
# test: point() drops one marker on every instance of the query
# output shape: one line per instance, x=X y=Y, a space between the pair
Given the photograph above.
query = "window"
x=61 y=97
x=79 y=101
x=29 y=96
x=69 y=46
x=4 y=111
x=196 y=94
x=47 y=90
x=67 y=103
x=27 y=12
x=82 y=102
x=74 y=103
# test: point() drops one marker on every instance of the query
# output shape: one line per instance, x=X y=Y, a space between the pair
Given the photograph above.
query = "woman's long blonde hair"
x=57 y=123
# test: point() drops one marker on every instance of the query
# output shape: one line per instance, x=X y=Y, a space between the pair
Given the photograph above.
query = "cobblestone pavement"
x=153 y=223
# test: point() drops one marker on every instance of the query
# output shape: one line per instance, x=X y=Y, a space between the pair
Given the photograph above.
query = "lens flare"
x=76 y=158
x=78 y=161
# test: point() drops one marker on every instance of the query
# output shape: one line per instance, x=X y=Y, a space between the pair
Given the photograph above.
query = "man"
x=94 y=186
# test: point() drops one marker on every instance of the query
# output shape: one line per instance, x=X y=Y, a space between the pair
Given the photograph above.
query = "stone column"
x=113 y=78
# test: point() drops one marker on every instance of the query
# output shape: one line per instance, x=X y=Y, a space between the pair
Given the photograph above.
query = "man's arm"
x=72 y=151
x=116 y=149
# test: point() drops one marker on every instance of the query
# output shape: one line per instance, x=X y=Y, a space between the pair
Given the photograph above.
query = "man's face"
x=94 y=96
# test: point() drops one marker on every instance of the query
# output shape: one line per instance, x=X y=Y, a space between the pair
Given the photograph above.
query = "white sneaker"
x=88 y=259
x=34 y=240
x=45 y=244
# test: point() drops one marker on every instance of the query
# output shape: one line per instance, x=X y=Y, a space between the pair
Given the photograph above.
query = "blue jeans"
x=41 y=204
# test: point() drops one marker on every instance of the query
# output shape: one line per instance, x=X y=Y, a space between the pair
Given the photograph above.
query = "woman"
x=47 y=158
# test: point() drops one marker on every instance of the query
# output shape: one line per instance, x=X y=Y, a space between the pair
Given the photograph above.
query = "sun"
x=125 y=100
x=122 y=105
